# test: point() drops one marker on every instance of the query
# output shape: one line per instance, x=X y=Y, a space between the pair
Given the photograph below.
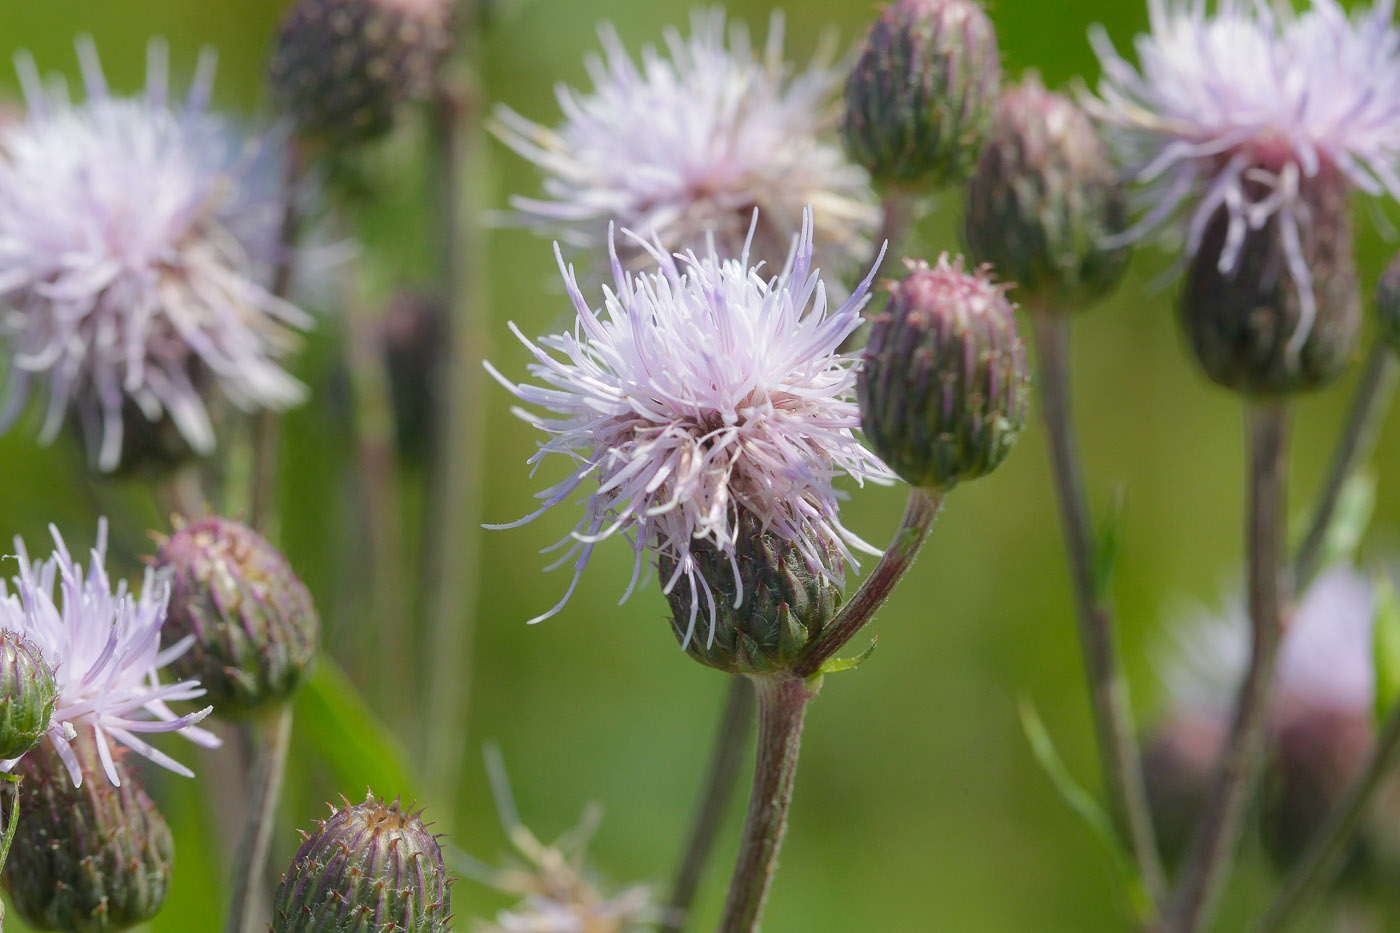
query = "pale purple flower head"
x=103 y=643
x=135 y=234
x=691 y=142
x=698 y=391
x=1252 y=98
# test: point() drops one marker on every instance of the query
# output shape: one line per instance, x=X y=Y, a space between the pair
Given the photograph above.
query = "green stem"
x=1354 y=447
x=782 y=704
x=1324 y=854
x=264 y=788
x=735 y=725
x=1209 y=861
x=1119 y=756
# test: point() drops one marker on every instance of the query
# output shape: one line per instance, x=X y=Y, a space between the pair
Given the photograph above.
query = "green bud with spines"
x=785 y=600
x=920 y=99
x=90 y=859
x=28 y=693
x=254 y=624
x=369 y=868
x=1255 y=328
x=1044 y=200
x=1388 y=305
x=344 y=69
x=943 y=387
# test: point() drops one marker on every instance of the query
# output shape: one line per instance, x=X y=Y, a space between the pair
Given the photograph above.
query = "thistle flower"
x=104 y=646
x=695 y=394
x=134 y=234
x=1248 y=126
x=691 y=143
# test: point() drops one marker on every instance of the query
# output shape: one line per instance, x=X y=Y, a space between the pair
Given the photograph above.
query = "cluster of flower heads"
x=1238 y=109
x=136 y=235
x=695 y=392
x=103 y=643
x=688 y=145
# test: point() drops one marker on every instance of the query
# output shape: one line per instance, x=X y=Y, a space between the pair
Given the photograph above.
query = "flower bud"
x=343 y=69
x=28 y=693
x=920 y=98
x=1257 y=329
x=254 y=624
x=1388 y=305
x=1178 y=765
x=1043 y=199
x=784 y=600
x=371 y=867
x=943 y=388
x=87 y=859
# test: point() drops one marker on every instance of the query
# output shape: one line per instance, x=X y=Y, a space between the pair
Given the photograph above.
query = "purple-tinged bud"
x=1178 y=766
x=371 y=867
x=254 y=625
x=344 y=69
x=784 y=600
x=89 y=859
x=1388 y=305
x=944 y=384
x=1043 y=200
x=920 y=99
x=28 y=693
x=1259 y=329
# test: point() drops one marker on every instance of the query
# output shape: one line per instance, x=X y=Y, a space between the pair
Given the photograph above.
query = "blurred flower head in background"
x=1249 y=110
x=697 y=393
x=104 y=646
x=691 y=142
x=135 y=234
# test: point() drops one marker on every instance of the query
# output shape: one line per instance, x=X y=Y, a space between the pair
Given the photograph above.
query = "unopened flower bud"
x=920 y=98
x=943 y=388
x=779 y=600
x=1288 y=315
x=371 y=867
x=87 y=859
x=253 y=621
x=343 y=69
x=28 y=693
x=1388 y=305
x=1178 y=764
x=1043 y=199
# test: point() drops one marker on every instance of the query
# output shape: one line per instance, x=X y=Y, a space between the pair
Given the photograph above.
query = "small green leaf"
x=1108 y=547
x=1352 y=516
x=1385 y=648
x=836 y=665
x=334 y=719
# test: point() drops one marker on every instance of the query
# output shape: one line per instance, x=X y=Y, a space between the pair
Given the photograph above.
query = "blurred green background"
x=918 y=804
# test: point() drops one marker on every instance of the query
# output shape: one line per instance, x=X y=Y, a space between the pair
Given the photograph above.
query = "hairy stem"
x=1354 y=447
x=1119 y=755
x=274 y=728
x=919 y=514
x=1211 y=855
x=782 y=704
x=735 y=724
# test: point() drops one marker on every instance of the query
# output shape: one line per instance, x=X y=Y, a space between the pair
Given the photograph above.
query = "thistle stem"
x=734 y=727
x=782 y=704
x=1119 y=755
x=14 y=781
x=1354 y=447
x=896 y=219
x=919 y=514
x=1211 y=855
x=1321 y=859
x=264 y=788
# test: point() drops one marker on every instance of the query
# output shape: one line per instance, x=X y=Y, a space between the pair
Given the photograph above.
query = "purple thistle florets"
x=135 y=234
x=691 y=142
x=697 y=393
x=104 y=646
x=1246 y=109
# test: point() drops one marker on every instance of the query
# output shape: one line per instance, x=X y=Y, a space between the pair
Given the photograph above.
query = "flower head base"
x=1240 y=119
x=696 y=394
x=104 y=645
x=133 y=236
x=691 y=144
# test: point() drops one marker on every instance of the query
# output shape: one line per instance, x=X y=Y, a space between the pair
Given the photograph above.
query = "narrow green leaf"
x=1352 y=517
x=1385 y=653
x=334 y=719
x=1108 y=546
x=836 y=665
